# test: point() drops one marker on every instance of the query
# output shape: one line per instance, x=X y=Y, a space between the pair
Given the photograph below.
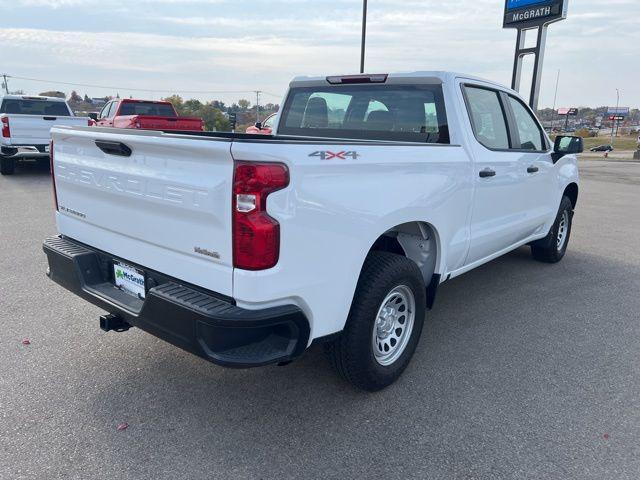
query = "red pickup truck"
x=145 y=115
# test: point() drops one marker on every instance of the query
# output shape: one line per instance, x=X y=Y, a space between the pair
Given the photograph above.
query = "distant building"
x=98 y=102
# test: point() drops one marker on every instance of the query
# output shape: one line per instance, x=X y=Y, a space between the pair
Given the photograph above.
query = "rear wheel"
x=552 y=248
x=384 y=324
x=7 y=165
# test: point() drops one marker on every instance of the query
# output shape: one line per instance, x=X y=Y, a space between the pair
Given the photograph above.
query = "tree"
x=244 y=104
x=53 y=93
x=192 y=107
x=219 y=105
x=86 y=98
x=177 y=102
x=213 y=118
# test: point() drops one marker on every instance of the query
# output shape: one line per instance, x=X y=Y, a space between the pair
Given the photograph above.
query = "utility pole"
x=364 y=34
x=615 y=115
x=555 y=97
x=6 y=85
x=258 y=92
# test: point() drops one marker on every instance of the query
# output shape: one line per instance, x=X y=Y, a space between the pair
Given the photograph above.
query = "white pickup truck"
x=26 y=122
x=338 y=228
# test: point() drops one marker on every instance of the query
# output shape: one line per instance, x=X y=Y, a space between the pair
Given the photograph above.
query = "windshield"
x=147 y=108
x=34 y=107
x=411 y=113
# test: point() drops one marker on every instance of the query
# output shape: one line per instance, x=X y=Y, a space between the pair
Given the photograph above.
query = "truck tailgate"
x=168 y=123
x=159 y=201
x=34 y=129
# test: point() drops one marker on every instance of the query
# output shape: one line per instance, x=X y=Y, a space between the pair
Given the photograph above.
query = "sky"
x=224 y=49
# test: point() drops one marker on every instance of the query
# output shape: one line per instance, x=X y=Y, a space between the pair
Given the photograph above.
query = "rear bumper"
x=24 y=151
x=201 y=322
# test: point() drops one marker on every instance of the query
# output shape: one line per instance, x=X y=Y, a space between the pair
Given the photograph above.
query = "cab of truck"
x=145 y=115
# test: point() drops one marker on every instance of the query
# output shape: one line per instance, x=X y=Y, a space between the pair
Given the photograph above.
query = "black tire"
x=547 y=249
x=352 y=353
x=7 y=165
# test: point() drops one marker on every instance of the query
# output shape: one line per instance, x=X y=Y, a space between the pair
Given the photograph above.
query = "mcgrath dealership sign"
x=533 y=13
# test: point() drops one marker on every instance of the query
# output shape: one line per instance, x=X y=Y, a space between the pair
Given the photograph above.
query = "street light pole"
x=555 y=97
x=615 y=114
x=364 y=34
x=258 y=92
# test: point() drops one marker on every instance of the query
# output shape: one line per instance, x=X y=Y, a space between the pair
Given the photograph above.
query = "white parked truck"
x=338 y=228
x=26 y=122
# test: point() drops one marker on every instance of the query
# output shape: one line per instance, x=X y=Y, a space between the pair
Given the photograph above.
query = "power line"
x=271 y=94
x=110 y=87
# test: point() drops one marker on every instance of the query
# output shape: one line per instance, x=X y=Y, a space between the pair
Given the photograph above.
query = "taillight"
x=6 y=131
x=53 y=176
x=256 y=235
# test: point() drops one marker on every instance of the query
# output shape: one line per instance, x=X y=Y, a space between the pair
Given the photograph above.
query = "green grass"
x=619 y=143
x=627 y=142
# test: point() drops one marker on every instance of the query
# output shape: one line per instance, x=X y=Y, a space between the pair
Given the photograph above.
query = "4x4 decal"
x=327 y=155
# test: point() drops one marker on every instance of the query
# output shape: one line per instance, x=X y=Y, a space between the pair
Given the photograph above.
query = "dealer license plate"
x=129 y=279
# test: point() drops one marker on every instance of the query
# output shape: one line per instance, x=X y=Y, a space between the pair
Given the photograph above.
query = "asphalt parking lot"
x=524 y=370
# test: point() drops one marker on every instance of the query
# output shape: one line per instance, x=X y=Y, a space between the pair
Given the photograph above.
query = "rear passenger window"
x=487 y=117
x=528 y=129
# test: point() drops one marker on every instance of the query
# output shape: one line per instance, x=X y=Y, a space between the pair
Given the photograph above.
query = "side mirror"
x=93 y=116
x=258 y=125
x=565 y=145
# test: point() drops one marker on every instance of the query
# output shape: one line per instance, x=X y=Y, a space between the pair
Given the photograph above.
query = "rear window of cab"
x=34 y=107
x=404 y=113
x=147 y=108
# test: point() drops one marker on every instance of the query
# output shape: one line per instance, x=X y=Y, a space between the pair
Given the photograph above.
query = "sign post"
x=525 y=16
x=567 y=112
x=617 y=115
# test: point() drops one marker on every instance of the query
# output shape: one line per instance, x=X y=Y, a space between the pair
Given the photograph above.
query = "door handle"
x=487 y=172
x=532 y=169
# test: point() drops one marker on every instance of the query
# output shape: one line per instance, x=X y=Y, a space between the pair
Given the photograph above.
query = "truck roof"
x=432 y=76
x=32 y=97
x=136 y=100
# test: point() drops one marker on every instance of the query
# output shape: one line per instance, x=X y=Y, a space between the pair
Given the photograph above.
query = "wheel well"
x=572 y=192
x=388 y=243
x=414 y=240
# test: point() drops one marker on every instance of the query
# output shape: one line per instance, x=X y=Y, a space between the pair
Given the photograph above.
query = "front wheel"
x=552 y=248
x=384 y=324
